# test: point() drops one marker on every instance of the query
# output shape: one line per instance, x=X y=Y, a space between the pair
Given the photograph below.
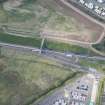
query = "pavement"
x=77 y=93
x=63 y=58
x=103 y=97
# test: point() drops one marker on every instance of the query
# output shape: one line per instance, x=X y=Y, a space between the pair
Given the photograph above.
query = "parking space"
x=79 y=93
x=96 y=7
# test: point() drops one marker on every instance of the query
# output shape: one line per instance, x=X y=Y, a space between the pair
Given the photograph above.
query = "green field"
x=33 y=16
x=3 y=17
x=36 y=42
x=100 y=47
x=64 y=47
x=12 y=39
x=100 y=92
x=24 y=76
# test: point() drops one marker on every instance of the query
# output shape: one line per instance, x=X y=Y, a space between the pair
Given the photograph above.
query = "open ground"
x=25 y=76
x=53 y=18
x=96 y=28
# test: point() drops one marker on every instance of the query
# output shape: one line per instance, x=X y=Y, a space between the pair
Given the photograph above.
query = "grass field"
x=3 y=17
x=35 y=42
x=86 y=30
x=12 y=39
x=64 y=47
x=98 y=65
x=34 y=17
x=61 y=23
x=100 y=92
x=25 y=76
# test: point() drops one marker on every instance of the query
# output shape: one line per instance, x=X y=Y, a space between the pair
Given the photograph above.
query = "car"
x=60 y=102
x=83 y=87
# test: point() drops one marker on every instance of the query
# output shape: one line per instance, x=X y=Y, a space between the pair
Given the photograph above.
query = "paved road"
x=60 y=57
x=28 y=48
x=70 y=54
x=64 y=60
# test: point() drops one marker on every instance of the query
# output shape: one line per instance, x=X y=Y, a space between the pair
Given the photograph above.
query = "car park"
x=78 y=96
x=76 y=103
x=60 y=102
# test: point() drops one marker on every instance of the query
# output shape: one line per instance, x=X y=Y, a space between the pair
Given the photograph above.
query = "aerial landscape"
x=52 y=52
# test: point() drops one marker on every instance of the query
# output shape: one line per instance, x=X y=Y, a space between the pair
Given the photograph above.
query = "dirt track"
x=87 y=21
x=66 y=36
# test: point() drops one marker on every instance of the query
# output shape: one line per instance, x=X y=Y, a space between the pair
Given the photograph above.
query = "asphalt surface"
x=67 y=61
x=69 y=89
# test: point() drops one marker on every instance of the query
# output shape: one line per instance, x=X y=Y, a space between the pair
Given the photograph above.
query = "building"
x=100 y=1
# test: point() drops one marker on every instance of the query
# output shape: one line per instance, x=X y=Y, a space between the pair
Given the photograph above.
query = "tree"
x=1 y=1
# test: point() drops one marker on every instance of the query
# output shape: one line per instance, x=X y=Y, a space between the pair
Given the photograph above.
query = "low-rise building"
x=100 y=1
